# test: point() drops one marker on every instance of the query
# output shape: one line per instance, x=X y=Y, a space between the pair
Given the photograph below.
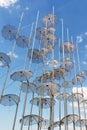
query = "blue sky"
x=74 y=13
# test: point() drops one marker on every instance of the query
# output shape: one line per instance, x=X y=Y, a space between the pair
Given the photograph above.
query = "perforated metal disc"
x=78 y=79
x=53 y=63
x=41 y=31
x=21 y=75
x=62 y=96
x=46 y=77
x=38 y=81
x=4 y=59
x=9 y=32
x=28 y=86
x=48 y=39
x=68 y=47
x=60 y=73
x=46 y=49
x=67 y=63
x=43 y=102
x=55 y=124
x=33 y=119
x=9 y=100
x=83 y=73
x=81 y=122
x=23 y=41
x=74 y=97
x=51 y=75
x=70 y=118
x=67 y=84
x=47 y=89
x=44 y=124
x=83 y=103
x=37 y=56
x=49 y=20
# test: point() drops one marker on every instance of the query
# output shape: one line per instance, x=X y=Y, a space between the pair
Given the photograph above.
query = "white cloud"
x=79 y=39
x=85 y=33
x=27 y=8
x=7 y=3
x=86 y=46
x=13 y=55
x=84 y=62
x=14 y=8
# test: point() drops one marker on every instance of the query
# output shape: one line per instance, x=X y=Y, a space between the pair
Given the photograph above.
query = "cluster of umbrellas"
x=53 y=85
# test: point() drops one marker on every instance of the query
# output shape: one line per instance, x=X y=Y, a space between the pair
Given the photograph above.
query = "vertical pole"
x=8 y=70
x=59 y=113
x=24 y=106
x=78 y=56
x=34 y=38
x=65 y=100
x=17 y=105
x=21 y=83
x=86 y=127
x=71 y=78
x=63 y=36
x=51 y=95
x=77 y=88
x=31 y=110
x=67 y=34
x=59 y=83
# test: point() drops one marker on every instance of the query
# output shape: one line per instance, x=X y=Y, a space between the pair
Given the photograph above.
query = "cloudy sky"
x=74 y=13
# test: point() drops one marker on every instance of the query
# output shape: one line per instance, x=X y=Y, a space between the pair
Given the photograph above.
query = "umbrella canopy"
x=4 y=59
x=9 y=32
x=21 y=75
x=9 y=100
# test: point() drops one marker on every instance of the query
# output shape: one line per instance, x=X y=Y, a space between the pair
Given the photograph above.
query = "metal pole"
x=65 y=100
x=21 y=83
x=71 y=78
x=17 y=105
x=52 y=96
x=24 y=106
x=77 y=88
x=8 y=70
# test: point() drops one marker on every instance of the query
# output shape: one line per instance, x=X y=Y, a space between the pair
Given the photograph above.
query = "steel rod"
x=13 y=49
